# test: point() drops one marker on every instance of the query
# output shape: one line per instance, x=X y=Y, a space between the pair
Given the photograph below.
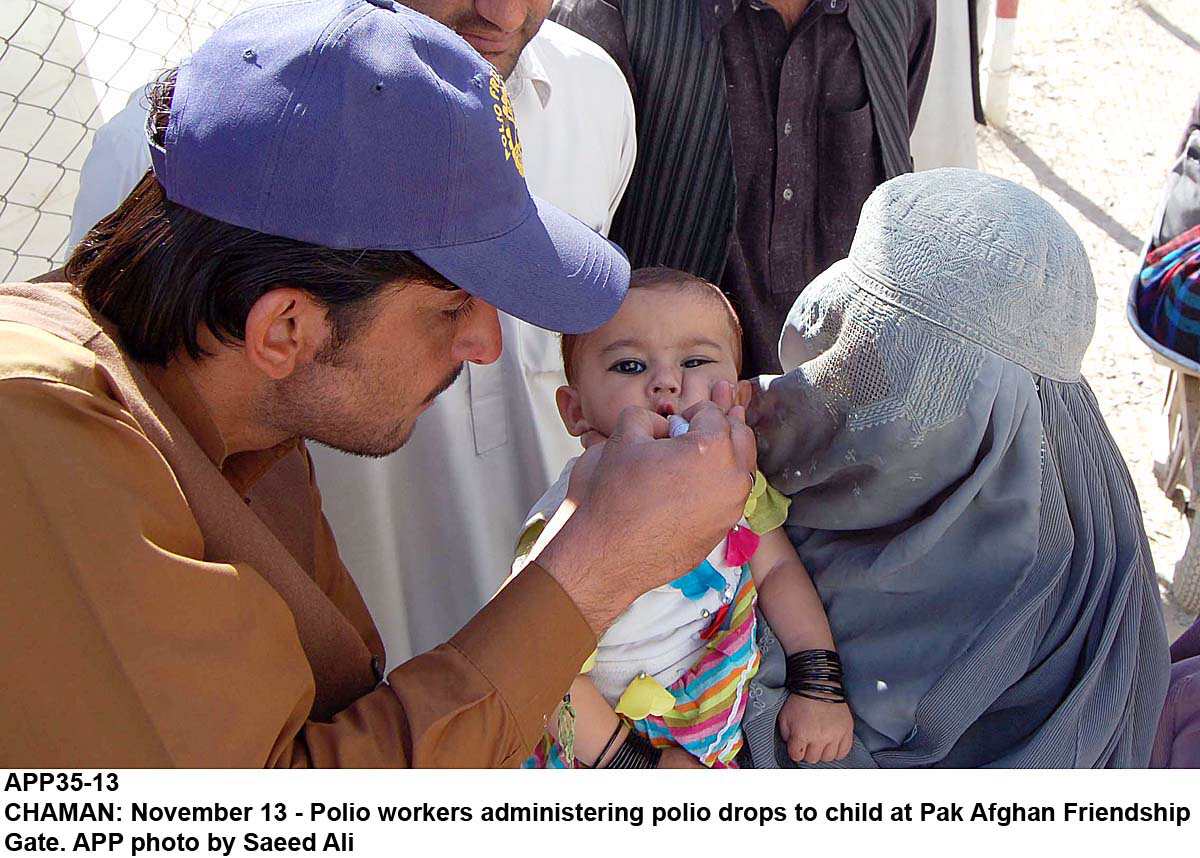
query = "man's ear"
x=570 y=410
x=284 y=328
x=742 y=393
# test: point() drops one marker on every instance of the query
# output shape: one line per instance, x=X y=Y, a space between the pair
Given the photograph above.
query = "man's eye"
x=692 y=363
x=628 y=367
x=461 y=311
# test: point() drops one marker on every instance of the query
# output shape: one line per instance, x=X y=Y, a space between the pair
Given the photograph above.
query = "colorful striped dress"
x=677 y=664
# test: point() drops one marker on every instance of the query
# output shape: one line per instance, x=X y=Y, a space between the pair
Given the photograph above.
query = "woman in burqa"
x=960 y=504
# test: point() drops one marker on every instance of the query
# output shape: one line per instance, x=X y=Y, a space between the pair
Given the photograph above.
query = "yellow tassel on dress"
x=645 y=697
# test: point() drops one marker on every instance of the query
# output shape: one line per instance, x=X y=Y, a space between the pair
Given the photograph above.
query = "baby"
x=667 y=685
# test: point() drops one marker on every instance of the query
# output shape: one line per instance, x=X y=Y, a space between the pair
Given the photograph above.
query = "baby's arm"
x=814 y=730
x=596 y=723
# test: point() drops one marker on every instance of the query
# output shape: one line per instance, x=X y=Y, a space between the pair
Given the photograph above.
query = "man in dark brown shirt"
x=818 y=98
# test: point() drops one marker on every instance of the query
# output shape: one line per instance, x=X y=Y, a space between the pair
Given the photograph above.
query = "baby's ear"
x=570 y=410
x=743 y=393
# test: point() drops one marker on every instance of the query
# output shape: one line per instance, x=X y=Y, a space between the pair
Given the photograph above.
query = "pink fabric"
x=740 y=545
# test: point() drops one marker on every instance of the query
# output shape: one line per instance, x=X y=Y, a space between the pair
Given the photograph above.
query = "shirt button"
x=704 y=613
x=787 y=195
x=787 y=127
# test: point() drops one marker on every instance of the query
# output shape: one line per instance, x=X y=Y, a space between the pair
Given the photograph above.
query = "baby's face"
x=663 y=350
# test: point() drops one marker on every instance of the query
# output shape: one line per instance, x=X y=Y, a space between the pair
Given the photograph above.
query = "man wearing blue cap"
x=172 y=594
x=488 y=448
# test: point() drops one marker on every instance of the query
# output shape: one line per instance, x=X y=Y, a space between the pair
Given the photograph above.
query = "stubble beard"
x=506 y=62
x=304 y=407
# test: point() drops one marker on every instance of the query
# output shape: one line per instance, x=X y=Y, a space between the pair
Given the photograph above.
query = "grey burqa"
x=966 y=517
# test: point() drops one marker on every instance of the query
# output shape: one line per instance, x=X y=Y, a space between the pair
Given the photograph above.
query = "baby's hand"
x=816 y=731
x=678 y=758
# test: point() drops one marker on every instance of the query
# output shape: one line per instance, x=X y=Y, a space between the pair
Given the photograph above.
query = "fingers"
x=744 y=392
x=844 y=747
x=812 y=752
x=797 y=748
x=745 y=445
x=706 y=417
x=723 y=395
x=639 y=424
x=805 y=752
x=591 y=438
x=809 y=743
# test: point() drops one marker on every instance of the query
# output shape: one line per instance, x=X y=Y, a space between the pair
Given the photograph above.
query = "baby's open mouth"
x=666 y=410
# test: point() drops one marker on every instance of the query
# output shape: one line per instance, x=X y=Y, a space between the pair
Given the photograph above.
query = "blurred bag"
x=1181 y=194
x=1167 y=303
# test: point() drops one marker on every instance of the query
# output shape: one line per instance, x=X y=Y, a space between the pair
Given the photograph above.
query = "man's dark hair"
x=159 y=270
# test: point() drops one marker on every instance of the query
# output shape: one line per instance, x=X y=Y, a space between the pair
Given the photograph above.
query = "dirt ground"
x=1098 y=101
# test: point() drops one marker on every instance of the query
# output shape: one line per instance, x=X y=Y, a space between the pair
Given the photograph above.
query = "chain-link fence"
x=66 y=66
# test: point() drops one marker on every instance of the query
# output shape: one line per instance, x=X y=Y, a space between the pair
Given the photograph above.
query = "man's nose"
x=478 y=338
x=508 y=15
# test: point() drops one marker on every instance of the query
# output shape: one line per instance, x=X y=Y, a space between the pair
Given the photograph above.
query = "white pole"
x=995 y=103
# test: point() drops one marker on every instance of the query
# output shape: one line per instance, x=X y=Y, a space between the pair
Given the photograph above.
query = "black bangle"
x=635 y=752
x=616 y=732
x=816 y=674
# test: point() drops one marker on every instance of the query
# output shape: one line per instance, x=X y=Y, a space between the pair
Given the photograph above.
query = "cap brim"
x=551 y=270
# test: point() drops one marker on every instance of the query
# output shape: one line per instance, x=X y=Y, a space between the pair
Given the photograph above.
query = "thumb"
x=745 y=446
x=590 y=438
x=635 y=425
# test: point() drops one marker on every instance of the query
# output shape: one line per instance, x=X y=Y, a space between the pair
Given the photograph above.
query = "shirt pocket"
x=489 y=412
x=847 y=172
x=540 y=350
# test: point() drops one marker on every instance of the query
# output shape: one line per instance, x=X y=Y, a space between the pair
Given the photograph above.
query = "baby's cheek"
x=603 y=415
x=698 y=388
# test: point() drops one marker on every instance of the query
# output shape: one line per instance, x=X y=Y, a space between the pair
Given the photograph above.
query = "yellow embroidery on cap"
x=506 y=120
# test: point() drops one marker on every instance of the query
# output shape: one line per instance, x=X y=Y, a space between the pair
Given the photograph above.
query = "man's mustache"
x=475 y=24
x=445 y=385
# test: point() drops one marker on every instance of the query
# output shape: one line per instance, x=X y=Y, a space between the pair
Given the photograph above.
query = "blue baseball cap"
x=362 y=124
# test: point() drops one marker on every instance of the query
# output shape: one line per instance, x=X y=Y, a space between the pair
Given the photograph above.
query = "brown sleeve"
x=600 y=21
x=479 y=701
x=334 y=579
x=920 y=56
x=120 y=646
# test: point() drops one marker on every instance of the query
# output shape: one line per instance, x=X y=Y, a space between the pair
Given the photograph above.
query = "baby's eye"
x=692 y=363
x=629 y=366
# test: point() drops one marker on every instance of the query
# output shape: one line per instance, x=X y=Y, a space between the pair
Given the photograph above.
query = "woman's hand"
x=816 y=731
